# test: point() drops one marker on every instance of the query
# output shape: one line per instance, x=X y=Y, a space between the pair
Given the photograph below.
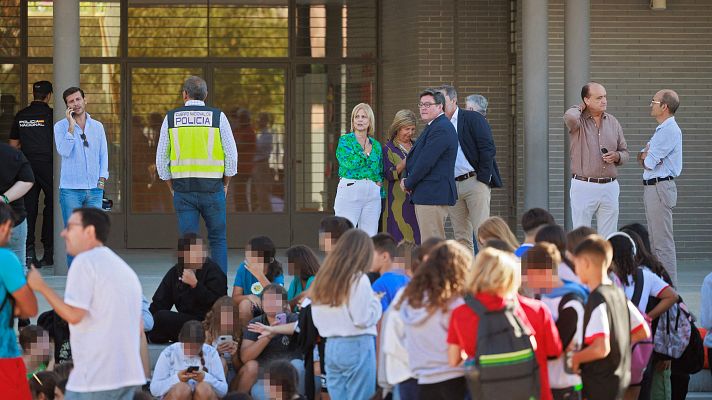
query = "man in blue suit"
x=429 y=165
x=475 y=171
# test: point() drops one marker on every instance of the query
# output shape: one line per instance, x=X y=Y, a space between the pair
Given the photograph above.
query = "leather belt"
x=593 y=180
x=465 y=176
x=654 y=181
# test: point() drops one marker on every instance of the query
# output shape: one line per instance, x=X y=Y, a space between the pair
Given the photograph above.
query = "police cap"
x=42 y=87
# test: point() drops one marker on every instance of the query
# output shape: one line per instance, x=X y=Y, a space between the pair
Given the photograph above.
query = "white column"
x=65 y=60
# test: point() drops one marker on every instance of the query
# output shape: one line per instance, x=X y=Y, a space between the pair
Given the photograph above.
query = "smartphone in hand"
x=192 y=369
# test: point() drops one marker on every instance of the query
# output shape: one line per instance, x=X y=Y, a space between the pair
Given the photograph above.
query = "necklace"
x=363 y=145
x=402 y=148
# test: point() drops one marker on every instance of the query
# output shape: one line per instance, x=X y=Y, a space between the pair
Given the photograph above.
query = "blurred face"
x=361 y=121
x=255 y=258
x=191 y=349
x=227 y=322
x=540 y=280
x=272 y=304
x=405 y=134
x=428 y=109
x=76 y=102
x=40 y=350
x=326 y=243
x=75 y=235
x=596 y=101
x=195 y=256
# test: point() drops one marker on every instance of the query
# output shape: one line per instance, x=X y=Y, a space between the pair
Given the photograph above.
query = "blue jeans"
x=190 y=206
x=71 y=199
x=124 y=393
x=351 y=367
x=18 y=238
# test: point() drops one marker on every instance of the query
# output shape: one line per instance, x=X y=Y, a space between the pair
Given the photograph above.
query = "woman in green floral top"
x=358 y=196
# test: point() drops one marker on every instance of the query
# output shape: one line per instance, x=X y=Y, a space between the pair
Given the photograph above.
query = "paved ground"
x=151 y=265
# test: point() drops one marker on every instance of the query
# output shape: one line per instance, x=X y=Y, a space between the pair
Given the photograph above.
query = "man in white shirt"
x=102 y=304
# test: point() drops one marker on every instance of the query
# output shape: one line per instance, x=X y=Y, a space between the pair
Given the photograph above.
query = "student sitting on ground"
x=259 y=270
x=391 y=270
x=189 y=369
x=613 y=323
x=222 y=331
x=280 y=380
x=565 y=300
x=331 y=228
x=43 y=385
x=262 y=344
x=192 y=286
x=36 y=349
x=533 y=220
x=493 y=284
x=303 y=265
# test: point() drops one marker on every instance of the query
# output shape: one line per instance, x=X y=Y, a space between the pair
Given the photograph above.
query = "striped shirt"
x=228 y=143
x=82 y=166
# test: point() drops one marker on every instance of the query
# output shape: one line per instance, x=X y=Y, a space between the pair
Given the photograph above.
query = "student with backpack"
x=507 y=353
x=611 y=324
x=565 y=300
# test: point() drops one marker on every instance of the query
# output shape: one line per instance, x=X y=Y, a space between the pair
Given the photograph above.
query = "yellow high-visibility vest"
x=196 y=149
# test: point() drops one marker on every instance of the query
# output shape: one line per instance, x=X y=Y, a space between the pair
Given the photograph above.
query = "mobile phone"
x=281 y=318
x=192 y=369
x=604 y=150
x=224 y=339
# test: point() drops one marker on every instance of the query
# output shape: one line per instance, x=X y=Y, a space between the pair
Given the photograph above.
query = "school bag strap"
x=638 y=287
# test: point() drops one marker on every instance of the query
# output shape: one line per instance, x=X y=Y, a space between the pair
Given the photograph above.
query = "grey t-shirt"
x=280 y=346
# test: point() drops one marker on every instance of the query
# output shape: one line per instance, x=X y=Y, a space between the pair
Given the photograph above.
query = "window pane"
x=336 y=28
x=102 y=87
x=168 y=28
x=253 y=101
x=99 y=28
x=9 y=98
x=154 y=91
x=249 y=30
x=325 y=96
x=9 y=28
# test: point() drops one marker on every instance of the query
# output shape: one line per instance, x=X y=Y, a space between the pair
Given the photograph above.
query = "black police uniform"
x=33 y=127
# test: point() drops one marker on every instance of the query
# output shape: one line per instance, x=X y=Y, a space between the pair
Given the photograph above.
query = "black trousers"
x=453 y=389
x=43 y=182
x=167 y=325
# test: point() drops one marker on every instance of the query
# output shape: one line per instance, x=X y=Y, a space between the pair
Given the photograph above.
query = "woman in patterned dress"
x=399 y=213
x=358 y=195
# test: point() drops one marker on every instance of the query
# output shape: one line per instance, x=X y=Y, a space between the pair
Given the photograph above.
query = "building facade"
x=290 y=71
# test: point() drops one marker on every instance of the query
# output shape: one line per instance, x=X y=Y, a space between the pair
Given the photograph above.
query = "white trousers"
x=359 y=201
x=588 y=198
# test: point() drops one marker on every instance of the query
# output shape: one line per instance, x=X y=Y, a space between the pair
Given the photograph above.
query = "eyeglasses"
x=426 y=105
x=84 y=138
x=655 y=102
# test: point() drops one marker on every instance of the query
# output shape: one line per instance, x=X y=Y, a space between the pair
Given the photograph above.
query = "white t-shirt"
x=598 y=324
x=358 y=316
x=105 y=343
x=558 y=378
x=653 y=285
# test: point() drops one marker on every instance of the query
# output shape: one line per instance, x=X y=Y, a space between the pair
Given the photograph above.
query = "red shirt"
x=533 y=313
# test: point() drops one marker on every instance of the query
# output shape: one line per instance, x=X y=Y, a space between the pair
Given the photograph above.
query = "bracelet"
x=101 y=183
x=5 y=199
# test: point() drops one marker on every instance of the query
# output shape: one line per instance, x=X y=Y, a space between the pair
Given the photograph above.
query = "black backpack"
x=504 y=366
x=11 y=301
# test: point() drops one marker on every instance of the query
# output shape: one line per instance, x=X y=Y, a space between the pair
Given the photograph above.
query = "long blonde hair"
x=352 y=257
x=495 y=272
x=369 y=113
x=496 y=228
x=402 y=119
x=440 y=278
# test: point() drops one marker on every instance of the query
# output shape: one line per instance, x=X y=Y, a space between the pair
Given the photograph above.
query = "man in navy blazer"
x=429 y=165
x=475 y=170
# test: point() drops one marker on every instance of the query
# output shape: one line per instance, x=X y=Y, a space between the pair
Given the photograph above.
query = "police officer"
x=32 y=133
x=197 y=156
